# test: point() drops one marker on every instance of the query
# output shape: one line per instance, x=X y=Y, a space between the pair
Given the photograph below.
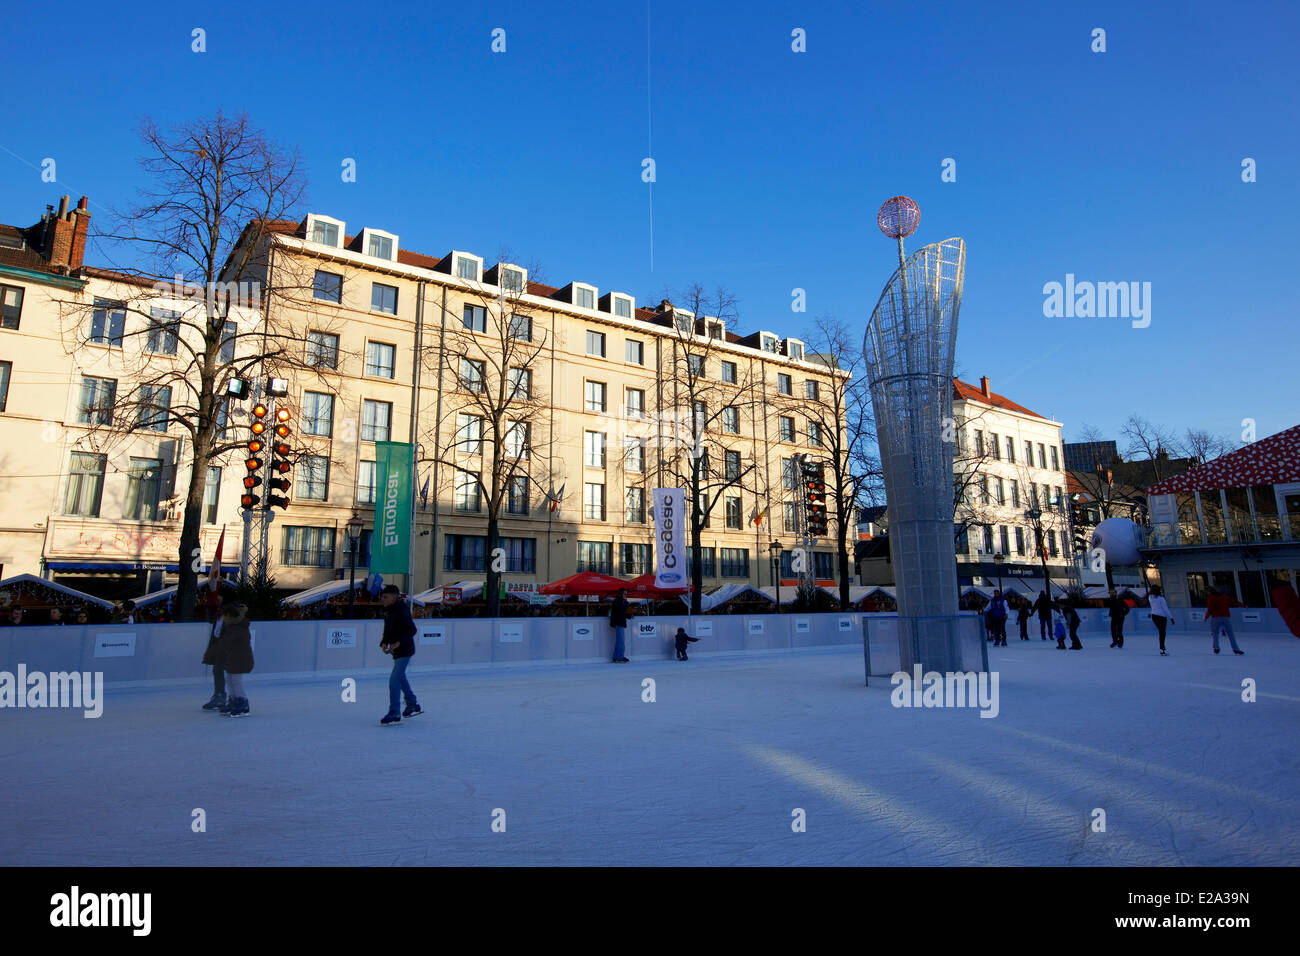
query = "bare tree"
x=488 y=358
x=198 y=239
x=1147 y=442
x=1202 y=445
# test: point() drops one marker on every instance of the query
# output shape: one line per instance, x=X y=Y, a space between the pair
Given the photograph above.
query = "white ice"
x=710 y=773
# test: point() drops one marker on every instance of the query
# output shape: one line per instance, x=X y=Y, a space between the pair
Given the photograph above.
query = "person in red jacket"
x=1217 y=612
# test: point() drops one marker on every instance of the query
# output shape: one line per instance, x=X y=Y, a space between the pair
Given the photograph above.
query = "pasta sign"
x=670 y=554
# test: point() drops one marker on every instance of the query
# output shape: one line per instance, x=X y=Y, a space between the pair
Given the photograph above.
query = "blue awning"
x=90 y=566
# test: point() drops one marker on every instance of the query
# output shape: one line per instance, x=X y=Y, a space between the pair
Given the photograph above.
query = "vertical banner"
x=670 y=538
x=390 y=541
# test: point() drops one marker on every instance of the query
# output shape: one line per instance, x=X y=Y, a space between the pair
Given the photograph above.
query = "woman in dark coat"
x=233 y=652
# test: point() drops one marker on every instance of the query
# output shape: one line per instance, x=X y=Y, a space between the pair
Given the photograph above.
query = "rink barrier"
x=160 y=652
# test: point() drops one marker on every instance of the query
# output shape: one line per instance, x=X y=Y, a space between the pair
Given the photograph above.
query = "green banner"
x=390 y=542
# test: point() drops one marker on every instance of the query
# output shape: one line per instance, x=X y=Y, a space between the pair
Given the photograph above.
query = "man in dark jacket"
x=398 y=640
x=1044 y=608
x=618 y=621
x=1118 y=611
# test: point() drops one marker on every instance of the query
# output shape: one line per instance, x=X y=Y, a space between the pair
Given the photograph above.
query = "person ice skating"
x=235 y=652
x=618 y=621
x=1023 y=613
x=990 y=632
x=1072 y=621
x=682 y=640
x=398 y=640
x=212 y=656
x=1160 y=616
x=1058 y=627
x=1118 y=608
x=1044 y=608
x=998 y=611
x=1218 y=612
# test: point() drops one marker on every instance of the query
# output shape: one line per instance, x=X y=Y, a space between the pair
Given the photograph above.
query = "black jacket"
x=1118 y=609
x=399 y=629
x=1043 y=606
x=618 y=613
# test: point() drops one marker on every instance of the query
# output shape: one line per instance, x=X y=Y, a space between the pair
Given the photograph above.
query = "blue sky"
x=771 y=164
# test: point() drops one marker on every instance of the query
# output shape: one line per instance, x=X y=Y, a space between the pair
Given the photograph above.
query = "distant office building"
x=1087 y=455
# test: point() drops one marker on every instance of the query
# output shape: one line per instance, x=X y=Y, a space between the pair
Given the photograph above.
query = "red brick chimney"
x=984 y=386
x=65 y=236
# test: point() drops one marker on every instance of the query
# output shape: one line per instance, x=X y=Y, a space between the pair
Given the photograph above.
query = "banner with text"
x=670 y=538
x=390 y=543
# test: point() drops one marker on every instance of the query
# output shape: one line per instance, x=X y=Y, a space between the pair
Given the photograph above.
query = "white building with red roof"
x=1232 y=523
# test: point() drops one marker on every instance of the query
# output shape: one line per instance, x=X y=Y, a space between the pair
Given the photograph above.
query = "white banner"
x=670 y=538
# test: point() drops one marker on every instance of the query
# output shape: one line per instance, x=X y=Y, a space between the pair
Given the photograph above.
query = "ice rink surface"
x=586 y=772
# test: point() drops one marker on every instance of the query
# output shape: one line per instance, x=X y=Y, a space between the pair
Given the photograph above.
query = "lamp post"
x=774 y=549
x=998 y=560
x=355 y=525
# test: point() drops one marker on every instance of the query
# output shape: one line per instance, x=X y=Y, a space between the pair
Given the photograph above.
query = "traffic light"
x=253 y=462
x=248 y=499
x=815 y=489
x=278 y=484
x=279 y=462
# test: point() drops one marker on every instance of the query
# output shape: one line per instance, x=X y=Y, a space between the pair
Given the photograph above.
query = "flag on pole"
x=424 y=493
x=756 y=517
x=556 y=497
x=214 y=571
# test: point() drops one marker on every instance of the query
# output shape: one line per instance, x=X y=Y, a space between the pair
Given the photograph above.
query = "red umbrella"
x=587 y=582
x=644 y=587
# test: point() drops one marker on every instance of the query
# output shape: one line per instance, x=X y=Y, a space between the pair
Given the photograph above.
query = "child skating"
x=682 y=640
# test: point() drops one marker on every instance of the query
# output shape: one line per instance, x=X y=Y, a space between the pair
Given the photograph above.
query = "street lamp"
x=998 y=560
x=774 y=549
x=355 y=524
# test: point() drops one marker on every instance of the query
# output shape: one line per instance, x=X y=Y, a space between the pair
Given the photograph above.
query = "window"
x=517 y=500
x=164 y=331
x=326 y=233
x=317 y=414
x=155 y=402
x=731 y=420
x=963 y=541
x=1000 y=490
x=735 y=562
x=787 y=428
x=464 y=552
x=1051 y=543
x=815 y=434
x=11 y=306
x=684 y=324
x=211 y=495
x=823 y=564
x=695 y=365
x=995 y=449
x=1056 y=460
x=466 y=494
x=733 y=513
x=518 y=446
x=520 y=555
x=634 y=506
x=521 y=327
x=595 y=396
x=1020 y=541
x=1011 y=449
x=383 y=298
x=707 y=565
x=98 y=396
x=381 y=359
x=471 y=375
x=1029 y=454
x=634 y=559
x=322 y=350
x=784 y=385
x=328 y=286
x=635 y=352
x=790 y=517
x=594 y=556
x=789 y=475
x=229 y=333
x=1015 y=493
x=366 y=483
x=700 y=416
x=593 y=501
x=521 y=383
x=85 y=484
x=593 y=449
x=634 y=459
x=623 y=308
x=770 y=343
x=474 y=318
x=634 y=402
x=584 y=298
x=469 y=434
x=596 y=343
x=714 y=330
x=984 y=490
x=312 y=478
x=1042 y=456
x=732 y=465
x=729 y=372
x=811 y=390
x=979 y=444
x=702 y=506
x=988 y=539
x=1004 y=539
x=795 y=350
x=143 y=485
x=376 y=420
x=512 y=280
x=308 y=547
x=107 y=321
x=381 y=247
x=466 y=268
x=6 y=369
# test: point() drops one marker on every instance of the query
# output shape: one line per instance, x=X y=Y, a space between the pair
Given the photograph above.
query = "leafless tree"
x=1202 y=445
x=198 y=240
x=1147 y=442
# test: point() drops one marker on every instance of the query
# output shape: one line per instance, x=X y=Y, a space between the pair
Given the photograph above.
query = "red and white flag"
x=214 y=570
x=556 y=497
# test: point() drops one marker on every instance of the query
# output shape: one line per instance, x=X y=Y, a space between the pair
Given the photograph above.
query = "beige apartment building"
x=395 y=346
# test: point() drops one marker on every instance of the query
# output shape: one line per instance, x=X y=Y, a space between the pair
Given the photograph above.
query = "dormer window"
x=794 y=349
x=467 y=268
x=715 y=330
x=381 y=247
x=584 y=296
x=326 y=231
x=512 y=280
x=623 y=306
x=685 y=323
x=770 y=343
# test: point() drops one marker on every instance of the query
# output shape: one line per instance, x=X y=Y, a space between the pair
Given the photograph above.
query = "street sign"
x=451 y=595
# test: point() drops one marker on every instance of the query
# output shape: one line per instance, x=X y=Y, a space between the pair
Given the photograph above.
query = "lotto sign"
x=340 y=637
